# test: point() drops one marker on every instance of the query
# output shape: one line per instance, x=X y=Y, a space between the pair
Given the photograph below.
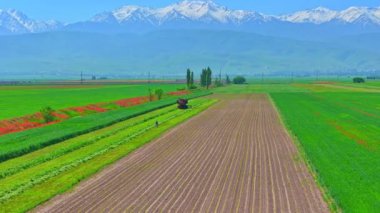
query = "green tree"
x=203 y=78
x=159 y=93
x=358 y=80
x=47 y=114
x=191 y=79
x=188 y=77
x=239 y=80
x=208 y=77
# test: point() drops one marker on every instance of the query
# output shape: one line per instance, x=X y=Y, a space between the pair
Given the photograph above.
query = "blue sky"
x=77 y=10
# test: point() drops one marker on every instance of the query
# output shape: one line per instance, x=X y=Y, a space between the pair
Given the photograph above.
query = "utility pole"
x=81 y=77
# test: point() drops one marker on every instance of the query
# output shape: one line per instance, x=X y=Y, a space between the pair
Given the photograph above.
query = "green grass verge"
x=17 y=144
x=29 y=187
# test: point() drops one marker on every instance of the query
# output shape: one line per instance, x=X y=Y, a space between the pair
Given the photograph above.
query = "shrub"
x=239 y=80
x=358 y=80
x=47 y=114
x=150 y=95
x=159 y=93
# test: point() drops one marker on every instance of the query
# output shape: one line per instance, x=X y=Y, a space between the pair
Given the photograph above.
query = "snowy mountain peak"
x=13 y=21
x=198 y=9
x=318 y=15
x=322 y=15
x=126 y=12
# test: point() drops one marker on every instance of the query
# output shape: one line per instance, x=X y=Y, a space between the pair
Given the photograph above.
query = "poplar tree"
x=203 y=78
x=208 y=77
x=188 y=77
x=192 y=79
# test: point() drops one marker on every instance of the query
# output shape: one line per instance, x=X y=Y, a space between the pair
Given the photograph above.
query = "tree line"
x=206 y=79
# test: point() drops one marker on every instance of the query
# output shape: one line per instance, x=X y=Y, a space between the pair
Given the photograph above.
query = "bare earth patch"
x=234 y=157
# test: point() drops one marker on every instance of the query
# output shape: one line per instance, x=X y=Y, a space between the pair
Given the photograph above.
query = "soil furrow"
x=234 y=157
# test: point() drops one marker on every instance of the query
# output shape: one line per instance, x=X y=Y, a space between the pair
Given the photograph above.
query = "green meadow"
x=16 y=101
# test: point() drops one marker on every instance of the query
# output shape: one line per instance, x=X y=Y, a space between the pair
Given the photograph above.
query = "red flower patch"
x=178 y=93
x=132 y=101
x=96 y=108
x=60 y=116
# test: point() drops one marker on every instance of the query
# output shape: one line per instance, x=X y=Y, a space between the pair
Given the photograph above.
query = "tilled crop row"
x=235 y=157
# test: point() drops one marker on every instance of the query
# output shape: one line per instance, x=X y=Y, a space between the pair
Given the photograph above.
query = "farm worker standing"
x=156 y=124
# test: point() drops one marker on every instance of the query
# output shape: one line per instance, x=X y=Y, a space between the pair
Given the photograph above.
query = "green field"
x=338 y=128
x=335 y=124
x=17 y=144
x=341 y=137
x=33 y=178
x=16 y=101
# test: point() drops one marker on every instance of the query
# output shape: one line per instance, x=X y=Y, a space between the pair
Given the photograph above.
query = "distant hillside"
x=171 y=52
x=369 y=42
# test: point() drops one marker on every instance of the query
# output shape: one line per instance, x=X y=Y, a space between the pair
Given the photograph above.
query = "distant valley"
x=133 y=41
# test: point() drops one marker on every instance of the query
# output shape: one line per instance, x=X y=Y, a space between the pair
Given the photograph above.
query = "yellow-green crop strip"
x=44 y=174
x=15 y=165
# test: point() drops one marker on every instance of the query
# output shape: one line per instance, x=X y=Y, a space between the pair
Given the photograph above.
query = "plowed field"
x=235 y=157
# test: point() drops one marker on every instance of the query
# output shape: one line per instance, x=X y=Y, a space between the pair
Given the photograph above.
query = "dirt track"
x=235 y=157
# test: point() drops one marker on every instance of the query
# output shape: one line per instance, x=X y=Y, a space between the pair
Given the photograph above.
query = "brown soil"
x=235 y=157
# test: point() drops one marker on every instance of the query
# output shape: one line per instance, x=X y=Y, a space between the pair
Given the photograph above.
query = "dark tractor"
x=182 y=104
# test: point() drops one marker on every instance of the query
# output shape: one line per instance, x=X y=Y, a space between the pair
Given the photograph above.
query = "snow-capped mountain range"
x=194 y=13
x=13 y=21
x=321 y=15
x=208 y=11
x=196 y=10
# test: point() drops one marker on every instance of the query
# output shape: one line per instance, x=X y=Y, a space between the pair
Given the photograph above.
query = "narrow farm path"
x=234 y=157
